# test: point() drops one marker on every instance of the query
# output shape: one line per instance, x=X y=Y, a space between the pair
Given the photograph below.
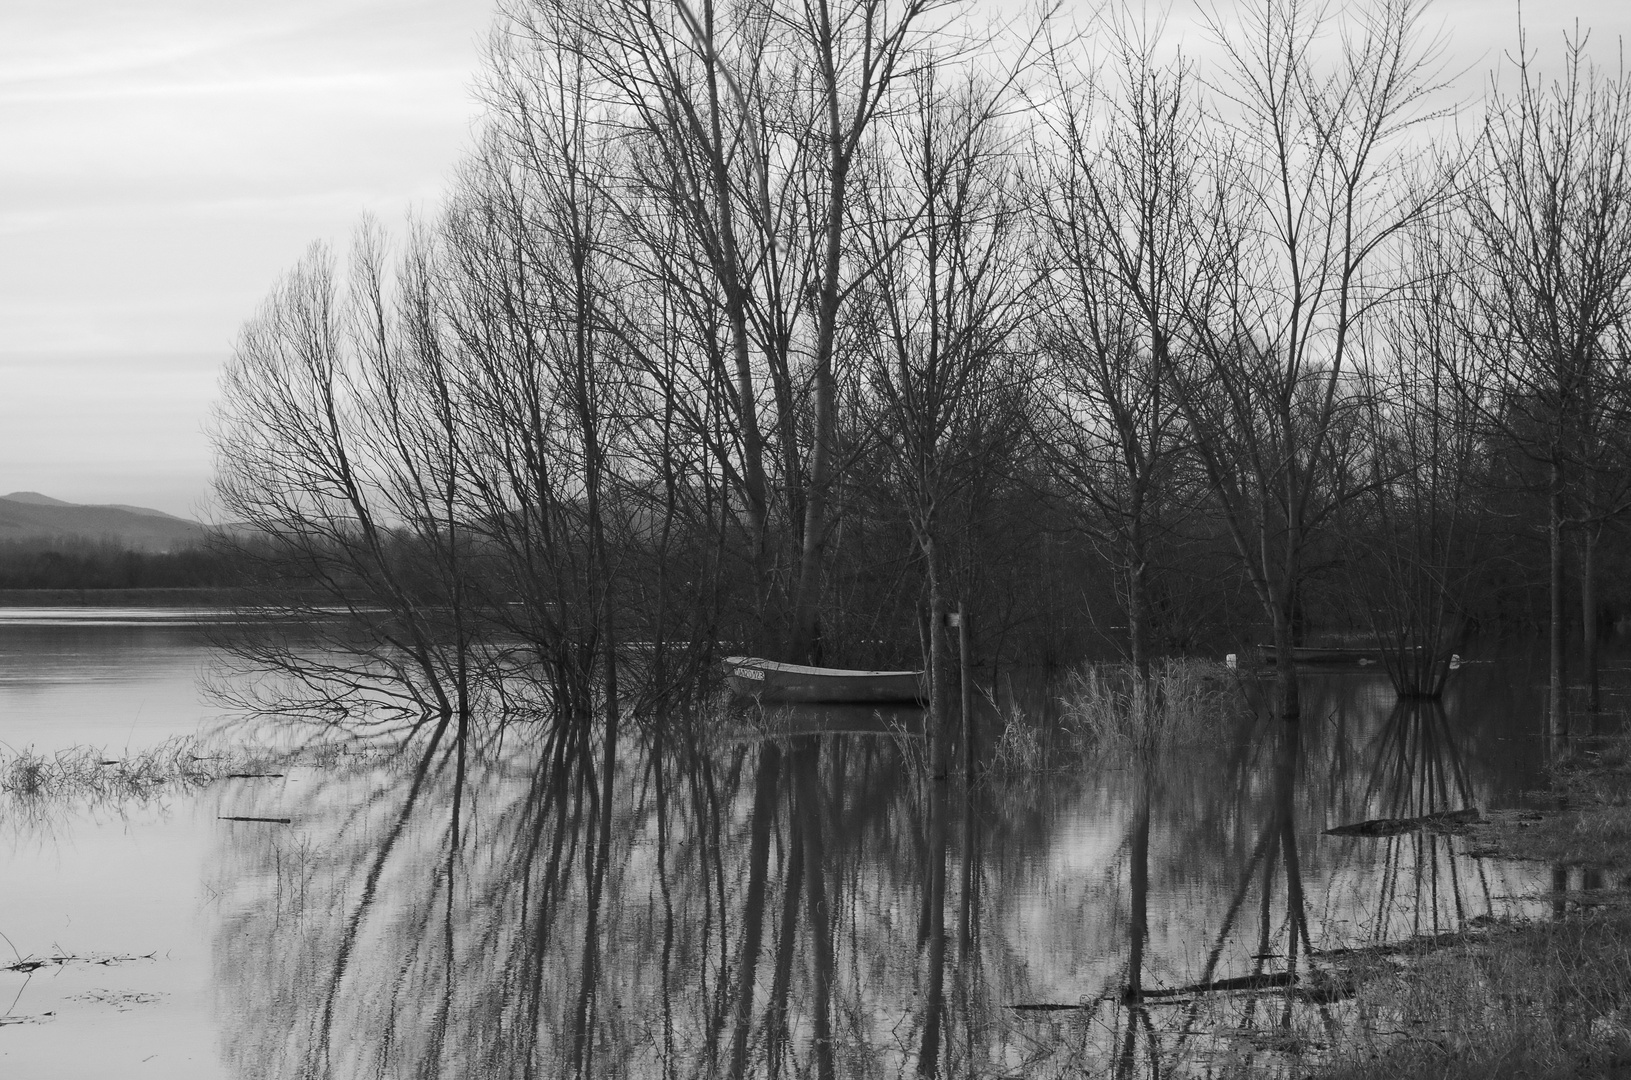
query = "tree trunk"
x=806 y=625
x=806 y=644
x=1557 y=717
x=729 y=272
x=939 y=721
x=1135 y=639
x=965 y=691
x=1135 y=606
x=1588 y=619
x=1285 y=664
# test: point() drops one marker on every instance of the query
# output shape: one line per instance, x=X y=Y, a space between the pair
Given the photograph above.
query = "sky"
x=163 y=161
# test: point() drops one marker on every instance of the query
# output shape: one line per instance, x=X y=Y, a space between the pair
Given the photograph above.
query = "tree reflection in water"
x=502 y=904
x=1417 y=770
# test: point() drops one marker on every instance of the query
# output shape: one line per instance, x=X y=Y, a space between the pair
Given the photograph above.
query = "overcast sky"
x=162 y=161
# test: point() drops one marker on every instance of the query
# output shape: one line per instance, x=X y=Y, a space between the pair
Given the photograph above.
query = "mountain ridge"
x=34 y=498
x=30 y=515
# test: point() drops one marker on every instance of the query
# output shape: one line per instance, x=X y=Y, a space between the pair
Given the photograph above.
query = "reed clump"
x=1023 y=744
x=1107 y=710
x=88 y=772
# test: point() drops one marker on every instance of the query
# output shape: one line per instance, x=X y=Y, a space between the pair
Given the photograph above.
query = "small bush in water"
x=1185 y=702
x=1020 y=748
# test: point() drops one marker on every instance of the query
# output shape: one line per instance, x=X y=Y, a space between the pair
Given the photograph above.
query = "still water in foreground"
x=725 y=903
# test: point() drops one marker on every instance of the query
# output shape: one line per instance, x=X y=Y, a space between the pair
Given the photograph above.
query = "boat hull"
x=769 y=680
x=1317 y=656
x=1334 y=657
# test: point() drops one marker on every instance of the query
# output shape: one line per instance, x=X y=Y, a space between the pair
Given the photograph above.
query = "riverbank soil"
x=1547 y=998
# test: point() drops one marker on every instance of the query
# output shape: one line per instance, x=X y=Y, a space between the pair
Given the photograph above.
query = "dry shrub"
x=1022 y=746
x=913 y=749
x=1185 y=703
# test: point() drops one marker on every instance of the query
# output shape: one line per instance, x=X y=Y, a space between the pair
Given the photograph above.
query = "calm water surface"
x=723 y=904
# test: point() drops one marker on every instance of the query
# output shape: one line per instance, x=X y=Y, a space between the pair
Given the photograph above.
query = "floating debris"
x=30 y=964
x=1444 y=821
x=122 y=1000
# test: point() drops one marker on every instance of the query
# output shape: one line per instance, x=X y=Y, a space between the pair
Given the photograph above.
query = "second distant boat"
x=771 y=680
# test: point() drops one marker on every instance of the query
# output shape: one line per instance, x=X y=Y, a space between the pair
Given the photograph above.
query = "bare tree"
x=746 y=124
x=1549 y=279
x=1119 y=261
x=543 y=382
x=1411 y=537
x=337 y=449
x=1307 y=194
x=936 y=323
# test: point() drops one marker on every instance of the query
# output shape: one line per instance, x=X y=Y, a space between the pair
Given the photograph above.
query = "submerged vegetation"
x=1583 y=820
x=89 y=774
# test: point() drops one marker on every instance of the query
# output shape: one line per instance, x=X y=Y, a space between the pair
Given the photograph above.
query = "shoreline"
x=191 y=597
x=1538 y=998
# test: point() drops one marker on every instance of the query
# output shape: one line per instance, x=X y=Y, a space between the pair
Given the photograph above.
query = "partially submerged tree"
x=1548 y=274
x=1309 y=188
x=1119 y=260
x=337 y=451
x=1410 y=539
x=746 y=126
x=936 y=323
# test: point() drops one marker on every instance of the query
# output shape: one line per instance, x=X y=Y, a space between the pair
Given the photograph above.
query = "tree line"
x=788 y=328
x=108 y=564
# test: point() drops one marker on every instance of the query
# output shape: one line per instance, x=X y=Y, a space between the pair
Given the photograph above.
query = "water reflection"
x=99 y=681
x=803 y=900
x=1417 y=774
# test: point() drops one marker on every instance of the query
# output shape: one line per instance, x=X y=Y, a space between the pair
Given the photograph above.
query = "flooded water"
x=723 y=903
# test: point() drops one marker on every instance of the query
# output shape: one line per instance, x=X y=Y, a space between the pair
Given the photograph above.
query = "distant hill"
x=28 y=515
x=34 y=498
